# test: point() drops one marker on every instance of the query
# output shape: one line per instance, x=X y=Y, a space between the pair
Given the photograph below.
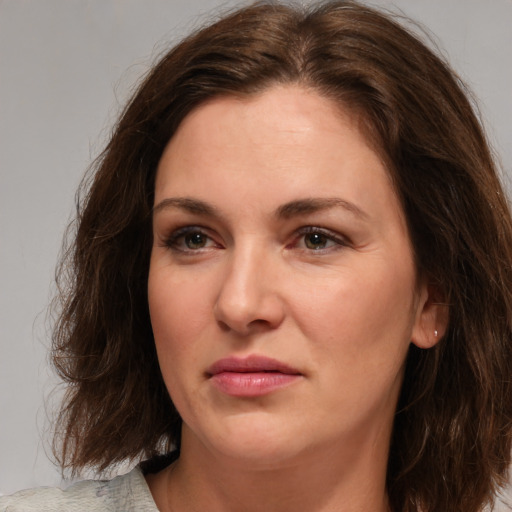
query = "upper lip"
x=253 y=363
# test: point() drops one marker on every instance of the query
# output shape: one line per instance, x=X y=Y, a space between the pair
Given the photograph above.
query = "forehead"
x=280 y=128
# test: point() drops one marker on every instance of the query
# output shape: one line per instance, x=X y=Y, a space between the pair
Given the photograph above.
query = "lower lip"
x=251 y=384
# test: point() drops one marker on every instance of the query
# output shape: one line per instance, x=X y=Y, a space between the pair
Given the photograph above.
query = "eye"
x=196 y=240
x=318 y=239
x=190 y=239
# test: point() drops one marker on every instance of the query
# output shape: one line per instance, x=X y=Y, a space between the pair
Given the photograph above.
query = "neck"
x=323 y=481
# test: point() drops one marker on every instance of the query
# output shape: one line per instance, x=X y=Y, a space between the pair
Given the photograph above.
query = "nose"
x=249 y=299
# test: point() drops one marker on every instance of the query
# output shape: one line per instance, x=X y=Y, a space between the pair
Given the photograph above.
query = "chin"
x=254 y=441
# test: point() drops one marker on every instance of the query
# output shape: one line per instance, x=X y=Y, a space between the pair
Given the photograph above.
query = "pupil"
x=195 y=240
x=315 y=241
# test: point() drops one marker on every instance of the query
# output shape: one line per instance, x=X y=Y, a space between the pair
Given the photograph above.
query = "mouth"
x=251 y=376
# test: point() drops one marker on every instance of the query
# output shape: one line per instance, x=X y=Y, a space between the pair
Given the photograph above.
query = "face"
x=282 y=288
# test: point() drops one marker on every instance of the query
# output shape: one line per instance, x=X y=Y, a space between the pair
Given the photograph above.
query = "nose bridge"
x=249 y=295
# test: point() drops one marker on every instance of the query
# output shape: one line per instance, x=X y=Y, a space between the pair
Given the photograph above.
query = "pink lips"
x=251 y=376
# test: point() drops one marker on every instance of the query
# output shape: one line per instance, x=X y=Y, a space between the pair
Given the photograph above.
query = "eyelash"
x=174 y=241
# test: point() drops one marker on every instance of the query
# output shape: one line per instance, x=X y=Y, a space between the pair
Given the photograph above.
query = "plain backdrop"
x=66 y=67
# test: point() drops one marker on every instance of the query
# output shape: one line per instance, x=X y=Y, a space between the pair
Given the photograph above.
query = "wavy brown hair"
x=451 y=442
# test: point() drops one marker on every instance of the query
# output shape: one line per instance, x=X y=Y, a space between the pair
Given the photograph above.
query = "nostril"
x=223 y=326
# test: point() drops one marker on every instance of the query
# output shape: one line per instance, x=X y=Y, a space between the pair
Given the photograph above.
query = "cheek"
x=174 y=327
x=173 y=317
x=360 y=316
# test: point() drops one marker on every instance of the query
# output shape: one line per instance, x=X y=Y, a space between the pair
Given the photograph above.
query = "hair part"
x=452 y=435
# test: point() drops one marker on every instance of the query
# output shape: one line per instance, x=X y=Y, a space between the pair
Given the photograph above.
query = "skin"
x=328 y=287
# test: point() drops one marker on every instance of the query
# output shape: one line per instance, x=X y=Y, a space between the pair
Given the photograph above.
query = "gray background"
x=66 y=67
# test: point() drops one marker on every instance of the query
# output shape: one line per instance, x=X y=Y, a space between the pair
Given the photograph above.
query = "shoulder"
x=126 y=493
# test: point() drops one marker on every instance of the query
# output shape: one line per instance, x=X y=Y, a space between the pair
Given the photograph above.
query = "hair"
x=451 y=440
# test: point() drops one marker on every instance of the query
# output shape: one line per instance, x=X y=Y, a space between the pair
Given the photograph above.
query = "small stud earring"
x=435 y=333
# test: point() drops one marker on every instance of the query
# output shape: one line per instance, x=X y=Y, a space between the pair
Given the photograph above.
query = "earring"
x=435 y=333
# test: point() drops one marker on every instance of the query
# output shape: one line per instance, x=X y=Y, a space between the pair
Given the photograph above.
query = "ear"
x=432 y=315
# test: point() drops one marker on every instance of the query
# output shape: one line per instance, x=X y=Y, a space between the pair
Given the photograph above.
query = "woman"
x=289 y=286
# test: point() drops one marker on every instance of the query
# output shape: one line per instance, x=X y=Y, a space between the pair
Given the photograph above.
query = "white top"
x=126 y=493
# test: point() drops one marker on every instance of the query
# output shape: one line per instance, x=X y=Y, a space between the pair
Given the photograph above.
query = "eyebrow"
x=288 y=210
x=188 y=204
x=312 y=205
